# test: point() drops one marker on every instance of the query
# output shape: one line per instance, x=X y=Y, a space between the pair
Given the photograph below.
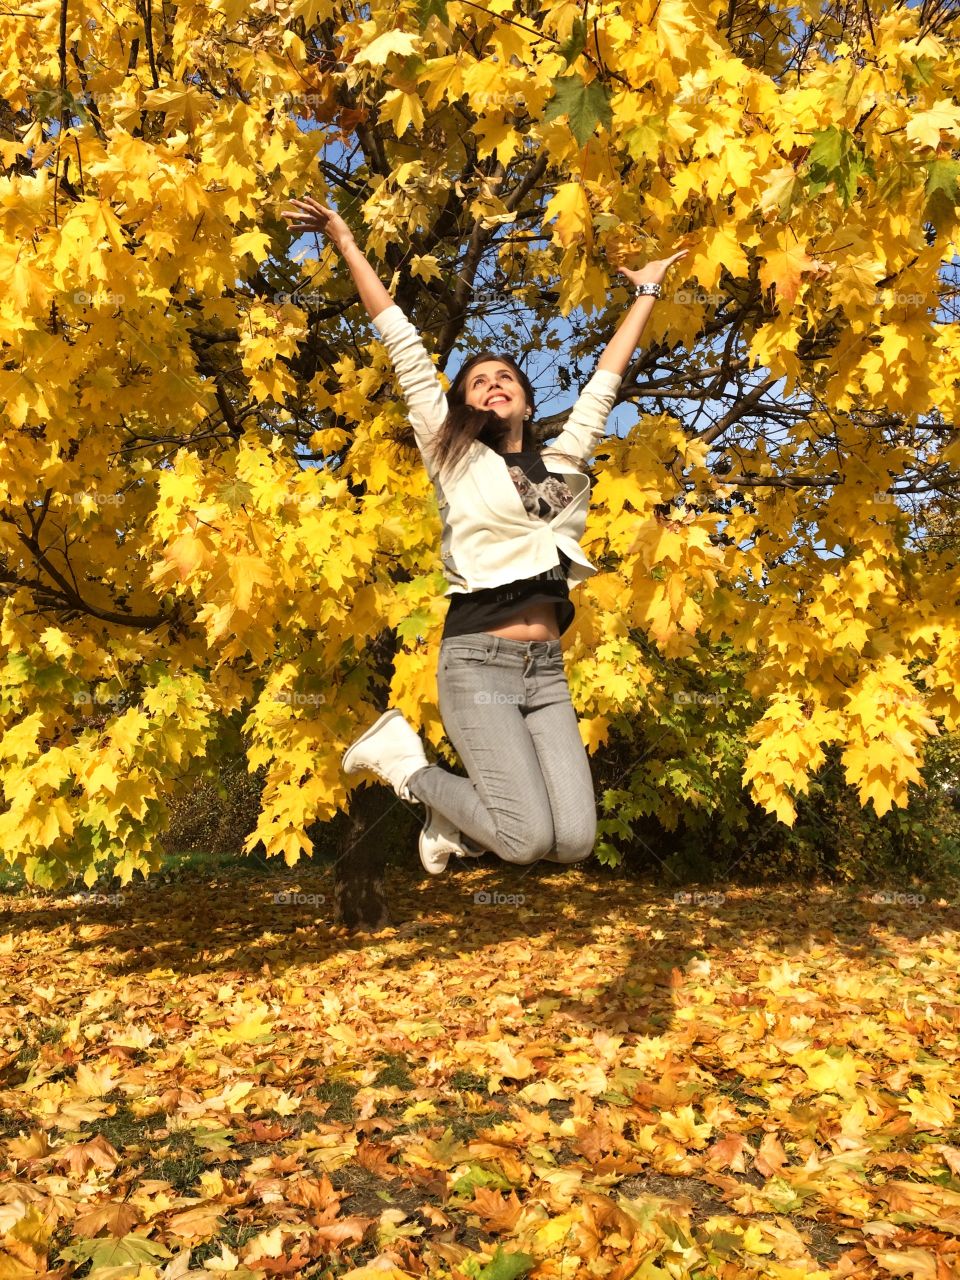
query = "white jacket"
x=489 y=538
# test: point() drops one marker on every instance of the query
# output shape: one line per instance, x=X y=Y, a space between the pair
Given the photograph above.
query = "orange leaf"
x=336 y=1233
x=376 y=1158
x=95 y=1154
x=727 y=1153
x=119 y=1218
x=198 y=1223
x=313 y=1193
x=498 y=1213
x=283 y=1266
x=770 y=1157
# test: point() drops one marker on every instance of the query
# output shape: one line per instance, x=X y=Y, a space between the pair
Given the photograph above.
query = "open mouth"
x=498 y=400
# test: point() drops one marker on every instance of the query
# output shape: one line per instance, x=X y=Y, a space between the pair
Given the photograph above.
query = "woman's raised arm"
x=418 y=378
x=311 y=215
x=586 y=423
x=619 y=350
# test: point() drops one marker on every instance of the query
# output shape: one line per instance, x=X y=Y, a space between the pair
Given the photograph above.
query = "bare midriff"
x=535 y=622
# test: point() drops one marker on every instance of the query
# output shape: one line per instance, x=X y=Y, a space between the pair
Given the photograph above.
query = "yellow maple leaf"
x=402 y=110
x=830 y=1074
x=685 y=1127
x=247 y=571
x=425 y=266
x=570 y=207
x=255 y=242
x=675 y=29
x=925 y=127
x=784 y=267
x=255 y=1028
x=377 y=52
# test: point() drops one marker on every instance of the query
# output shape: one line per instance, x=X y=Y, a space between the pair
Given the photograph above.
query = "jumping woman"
x=512 y=515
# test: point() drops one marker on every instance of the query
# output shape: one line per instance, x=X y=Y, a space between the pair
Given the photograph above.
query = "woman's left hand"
x=653 y=272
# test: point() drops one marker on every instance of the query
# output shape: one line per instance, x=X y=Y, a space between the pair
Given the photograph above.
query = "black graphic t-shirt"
x=543 y=495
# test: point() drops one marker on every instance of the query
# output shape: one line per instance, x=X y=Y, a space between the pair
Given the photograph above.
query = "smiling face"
x=491 y=384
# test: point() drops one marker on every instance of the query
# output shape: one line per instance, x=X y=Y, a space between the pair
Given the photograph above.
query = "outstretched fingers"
x=308 y=210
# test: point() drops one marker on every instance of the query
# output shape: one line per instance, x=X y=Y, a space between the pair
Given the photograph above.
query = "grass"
x=395 y=1073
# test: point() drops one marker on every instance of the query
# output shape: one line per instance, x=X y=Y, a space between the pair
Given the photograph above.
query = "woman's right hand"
x=311 y=215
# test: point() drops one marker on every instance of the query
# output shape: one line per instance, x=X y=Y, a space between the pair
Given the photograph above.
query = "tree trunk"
x=359 y=896
x=378 y=824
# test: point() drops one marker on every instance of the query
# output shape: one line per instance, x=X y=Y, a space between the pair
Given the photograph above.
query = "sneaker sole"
x=433 y=871
x=367 y=733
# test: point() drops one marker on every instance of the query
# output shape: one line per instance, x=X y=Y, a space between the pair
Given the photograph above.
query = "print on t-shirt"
x=544 y=498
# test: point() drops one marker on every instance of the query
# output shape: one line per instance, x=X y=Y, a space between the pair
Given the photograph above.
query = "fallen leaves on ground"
x=597 y=1081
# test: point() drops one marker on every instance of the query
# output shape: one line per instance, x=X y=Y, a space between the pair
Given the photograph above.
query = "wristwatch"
x=647 y=288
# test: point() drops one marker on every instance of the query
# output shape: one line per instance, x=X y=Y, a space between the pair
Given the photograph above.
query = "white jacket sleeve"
x=417 y=375
x=587 y=421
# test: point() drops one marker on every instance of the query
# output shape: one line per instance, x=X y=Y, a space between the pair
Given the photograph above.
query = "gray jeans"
x=506 y=708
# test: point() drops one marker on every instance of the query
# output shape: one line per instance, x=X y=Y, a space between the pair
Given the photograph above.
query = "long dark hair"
x=464 y=424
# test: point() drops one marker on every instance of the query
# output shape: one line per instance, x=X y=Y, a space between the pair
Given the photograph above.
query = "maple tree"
x=205 y=517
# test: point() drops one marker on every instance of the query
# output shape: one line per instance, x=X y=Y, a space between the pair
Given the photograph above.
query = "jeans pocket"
x=469 y=655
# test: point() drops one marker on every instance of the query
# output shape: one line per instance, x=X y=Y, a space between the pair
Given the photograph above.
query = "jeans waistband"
x=503 y=644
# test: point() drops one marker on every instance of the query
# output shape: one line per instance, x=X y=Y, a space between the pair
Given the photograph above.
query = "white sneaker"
x=438 y=839
x=390 y=748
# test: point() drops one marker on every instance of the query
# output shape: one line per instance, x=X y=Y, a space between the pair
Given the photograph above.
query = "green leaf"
x=825 y=152
x=942 y=188
x=575 y=43
x=18 y=669
x=213 y=1137
x=584 y=105
x=922 y=73
x=235 y=493
x=116 y=1253
x=607 y=855
x=646 y=138
x=426 y=9
x=834 y=157
x=900 y=177
x=506 y=1266
x=944 y=175
x=416 y=624
x=478 y=1176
